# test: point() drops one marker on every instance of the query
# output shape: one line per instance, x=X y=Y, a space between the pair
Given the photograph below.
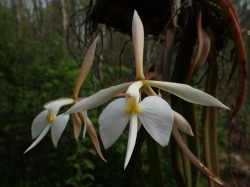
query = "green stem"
x=186 y=167
x=209 y=123
x=193 y=141
x=154 y=163
x=194 y=160
x=177 y=166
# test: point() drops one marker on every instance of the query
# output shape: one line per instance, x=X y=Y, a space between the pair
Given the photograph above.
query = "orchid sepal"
x=39 y=138
x=138 y=44
x=98 y=99
x=85 y=68
x=187 y=93
x=181 y=123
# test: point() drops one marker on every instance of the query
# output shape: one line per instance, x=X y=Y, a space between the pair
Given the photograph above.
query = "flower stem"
x=209 y=123
x=194 y=160
x=193 y=141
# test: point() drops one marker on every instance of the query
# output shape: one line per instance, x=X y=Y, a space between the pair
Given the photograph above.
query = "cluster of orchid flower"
x=153 y=112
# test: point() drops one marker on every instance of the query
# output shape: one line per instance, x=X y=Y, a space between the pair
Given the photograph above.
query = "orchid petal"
x=54 y=106
x=58 y=127
x=38 y=124
x=98 y=99
x=157 y=117
x=113 y=121
x=133 y=90
x=86 y=65
x=85 y=123
x=94 y=138
x=77 y=125
x=138 y=44
x=40 y=137
x=187 y=93
x=84 y=131
x=131 y=138
x=182 y=124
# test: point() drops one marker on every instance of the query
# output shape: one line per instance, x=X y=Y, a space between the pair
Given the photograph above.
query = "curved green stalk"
x=209 y=124
x=186 y=166
x=177 y=165
x=194 y=160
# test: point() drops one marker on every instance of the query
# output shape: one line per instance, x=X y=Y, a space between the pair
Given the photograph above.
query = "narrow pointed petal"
x=187 y=93
x=113 y=121
x=85 y=123
x=54 y=106
x=94 y=138
x=40 y=137
x=38 y=124
x=86 y=66
x=131 y=138
x=157 y=117
x=77 y=125
x=84 y=131
x=98 y=99
x=138 y=44
x=58 y=127
x=182 y=124
x=93 y=135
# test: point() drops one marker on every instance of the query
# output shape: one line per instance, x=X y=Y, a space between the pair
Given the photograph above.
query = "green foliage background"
x=33 y=72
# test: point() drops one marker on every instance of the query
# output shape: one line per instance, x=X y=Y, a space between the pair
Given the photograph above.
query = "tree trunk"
x=64 y=17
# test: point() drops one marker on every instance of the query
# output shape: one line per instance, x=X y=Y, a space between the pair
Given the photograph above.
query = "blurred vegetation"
x=36 y=67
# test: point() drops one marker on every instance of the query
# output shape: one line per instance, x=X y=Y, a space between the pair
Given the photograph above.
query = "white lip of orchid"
x=154 y=113
x=41 y=125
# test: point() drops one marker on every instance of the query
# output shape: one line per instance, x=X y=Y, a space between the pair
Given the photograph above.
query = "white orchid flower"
x=48 y=119
x=153 y=112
